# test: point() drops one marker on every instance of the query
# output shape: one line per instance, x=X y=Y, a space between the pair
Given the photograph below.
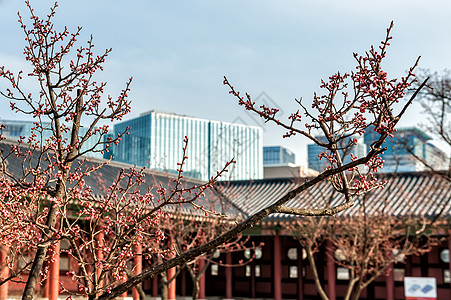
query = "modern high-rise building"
x=435 y=157
x=277 y=155
x=402 y=148
x=155 y=140
x=279 y=162
x=15 y=129
x=313 y=152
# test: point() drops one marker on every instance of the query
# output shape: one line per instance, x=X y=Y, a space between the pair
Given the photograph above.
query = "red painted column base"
x=4 y=273
x=228 y=274
x=390 y=283
x=201 y=280
x=172 y=285
x=449 y=248
x=331 y=282
x=137 y=266
x=277 y=268
x=54 y=272
x=155 y=286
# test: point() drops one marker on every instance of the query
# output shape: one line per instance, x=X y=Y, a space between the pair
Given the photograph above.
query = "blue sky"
x=178 y=51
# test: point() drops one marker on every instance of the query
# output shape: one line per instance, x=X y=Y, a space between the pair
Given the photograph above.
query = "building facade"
x=15 y=129
x=156 y=140
x=288 y=171
x=313 y=152
x=280 y=268
x=278 y=155
x=404 y=146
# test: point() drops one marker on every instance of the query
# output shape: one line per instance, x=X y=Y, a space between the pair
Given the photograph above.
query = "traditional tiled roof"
x=415 y=194
x=107 y=175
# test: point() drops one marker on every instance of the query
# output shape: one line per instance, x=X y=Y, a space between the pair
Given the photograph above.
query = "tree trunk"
x=138 y=287
x=350 y=288
x=319 y=288
x=195 y=289
x=358 y=289
x=60 y=188
x=142 y=295
x=164 y=286
x=39 y=258
x=163 y=282
x=357 y=293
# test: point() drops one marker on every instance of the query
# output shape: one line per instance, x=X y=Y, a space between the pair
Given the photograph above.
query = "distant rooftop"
x=407 y=194
x=186 y=116
x=162 y=112
x=420 y=133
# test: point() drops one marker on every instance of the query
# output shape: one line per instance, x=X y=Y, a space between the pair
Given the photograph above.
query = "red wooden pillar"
x=171 y=290
x=390 y=283
x=54 y=272
x=449 y=248
x=4 y=272
x=171 y=277
x=228 y=274
x=155 y=286
x=331 y=286
x=300 y=275
x=277 y=268
x=201 y=279
x=137 y=266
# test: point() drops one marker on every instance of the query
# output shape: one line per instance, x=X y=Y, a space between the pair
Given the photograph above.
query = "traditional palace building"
x=280 y=269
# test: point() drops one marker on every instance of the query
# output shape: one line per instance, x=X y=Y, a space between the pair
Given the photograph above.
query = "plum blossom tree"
x=367 y=243
x=435 y=99
x=36 y=202
x=186 y=232
x=126 y=217
x=48 y=200
x=350 y=104
x=67 y=93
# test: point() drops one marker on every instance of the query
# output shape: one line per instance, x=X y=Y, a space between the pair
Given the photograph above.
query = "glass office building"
x=277 y=155
x=313 y=151
x=405 y=142
x=155 y=140
x=15 y=129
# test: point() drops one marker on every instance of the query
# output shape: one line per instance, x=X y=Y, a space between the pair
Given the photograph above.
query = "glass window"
x=64 y=263
x=216 y=254
x=446 y=278
x=247 y=253
x=257 y=271
x=399 y=274
x=214 y=270
x=444 y=255
x=292 y=253
x=293 y=272
x=258 y=253
x=342 y=273
x=248 y=271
